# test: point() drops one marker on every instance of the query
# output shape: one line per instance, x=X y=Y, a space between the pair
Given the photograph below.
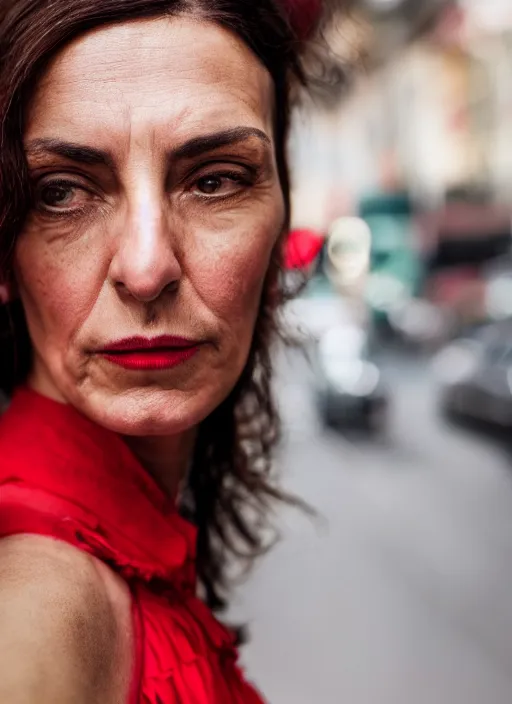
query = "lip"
x=133 y=344
x=150 y=354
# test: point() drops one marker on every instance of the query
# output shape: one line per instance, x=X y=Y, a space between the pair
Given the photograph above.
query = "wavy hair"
x=230 y=484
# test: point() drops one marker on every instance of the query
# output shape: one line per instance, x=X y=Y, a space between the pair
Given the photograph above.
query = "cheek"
x=56 y=293
x=230 y=275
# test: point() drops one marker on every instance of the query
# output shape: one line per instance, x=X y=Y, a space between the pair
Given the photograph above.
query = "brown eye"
x=221 y=185
x=56 y=195
x=61 y=196
x=209 y=185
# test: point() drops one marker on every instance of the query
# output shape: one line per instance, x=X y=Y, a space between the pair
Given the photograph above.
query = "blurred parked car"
x=475 y=373
x=348 y=386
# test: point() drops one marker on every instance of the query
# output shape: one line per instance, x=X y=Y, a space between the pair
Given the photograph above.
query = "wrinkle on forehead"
x=176 y=72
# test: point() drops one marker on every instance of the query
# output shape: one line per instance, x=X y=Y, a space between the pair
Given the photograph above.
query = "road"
x=402 y=592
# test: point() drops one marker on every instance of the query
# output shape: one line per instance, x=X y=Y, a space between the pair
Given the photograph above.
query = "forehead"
x=179 y=76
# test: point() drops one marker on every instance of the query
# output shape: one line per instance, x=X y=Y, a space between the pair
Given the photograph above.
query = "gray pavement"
x=402 y=594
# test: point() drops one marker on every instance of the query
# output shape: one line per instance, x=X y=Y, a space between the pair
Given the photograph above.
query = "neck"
x=166 y=459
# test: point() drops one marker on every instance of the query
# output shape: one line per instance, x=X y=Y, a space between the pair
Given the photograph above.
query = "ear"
x=8 y=291
x=5 y=296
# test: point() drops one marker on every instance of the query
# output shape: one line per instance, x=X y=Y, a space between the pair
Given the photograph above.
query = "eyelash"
x=245 y=181
x=242 y=180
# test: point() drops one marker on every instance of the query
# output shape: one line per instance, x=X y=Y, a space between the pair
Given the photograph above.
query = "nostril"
x=121 y=288
x=172 y=287
x=144 y=275
x=145 y=292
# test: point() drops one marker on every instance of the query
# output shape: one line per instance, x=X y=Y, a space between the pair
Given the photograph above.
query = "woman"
x=144 y=201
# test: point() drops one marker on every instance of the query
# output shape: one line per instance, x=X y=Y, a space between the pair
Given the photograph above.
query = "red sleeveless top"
x=65 y=477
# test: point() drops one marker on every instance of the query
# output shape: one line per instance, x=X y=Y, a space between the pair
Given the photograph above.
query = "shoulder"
x=64 y=624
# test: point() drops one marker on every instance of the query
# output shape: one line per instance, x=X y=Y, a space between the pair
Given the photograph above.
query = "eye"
x=220 y=185
x=59 y=196
x=54 y=195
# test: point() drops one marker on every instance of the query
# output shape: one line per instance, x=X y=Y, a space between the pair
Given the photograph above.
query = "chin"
x=148 y=412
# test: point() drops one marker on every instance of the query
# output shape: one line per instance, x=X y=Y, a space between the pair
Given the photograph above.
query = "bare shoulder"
x=65 y=627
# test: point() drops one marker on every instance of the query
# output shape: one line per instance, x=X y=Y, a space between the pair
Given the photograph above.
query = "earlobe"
x=8 y=287
x=6 y=293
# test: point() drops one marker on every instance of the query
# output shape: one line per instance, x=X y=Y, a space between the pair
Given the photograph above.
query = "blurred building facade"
x=431 y=113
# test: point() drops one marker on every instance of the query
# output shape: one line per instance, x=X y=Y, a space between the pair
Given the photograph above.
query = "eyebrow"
x=207 y=143
x=68 y=150
x=191 y=149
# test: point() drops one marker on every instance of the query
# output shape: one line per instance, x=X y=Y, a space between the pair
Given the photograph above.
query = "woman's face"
x=156 y=208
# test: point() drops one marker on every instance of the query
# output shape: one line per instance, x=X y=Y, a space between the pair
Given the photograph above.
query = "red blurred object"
x=302 y=248
x=304 y=15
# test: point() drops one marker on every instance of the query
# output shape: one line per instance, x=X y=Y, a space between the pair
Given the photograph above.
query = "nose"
x=144 y=264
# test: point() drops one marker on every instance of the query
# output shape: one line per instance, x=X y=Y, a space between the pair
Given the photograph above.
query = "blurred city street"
x=400 y=591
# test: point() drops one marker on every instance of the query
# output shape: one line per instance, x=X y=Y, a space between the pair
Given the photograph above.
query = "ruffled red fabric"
x=65 y=477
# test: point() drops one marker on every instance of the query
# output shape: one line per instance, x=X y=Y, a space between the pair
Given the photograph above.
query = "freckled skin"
x=143 y=250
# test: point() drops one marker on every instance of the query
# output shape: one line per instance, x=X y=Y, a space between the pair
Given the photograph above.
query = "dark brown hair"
x=230 y=482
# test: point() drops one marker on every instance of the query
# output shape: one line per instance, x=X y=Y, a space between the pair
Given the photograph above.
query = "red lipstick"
x=150 y=354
